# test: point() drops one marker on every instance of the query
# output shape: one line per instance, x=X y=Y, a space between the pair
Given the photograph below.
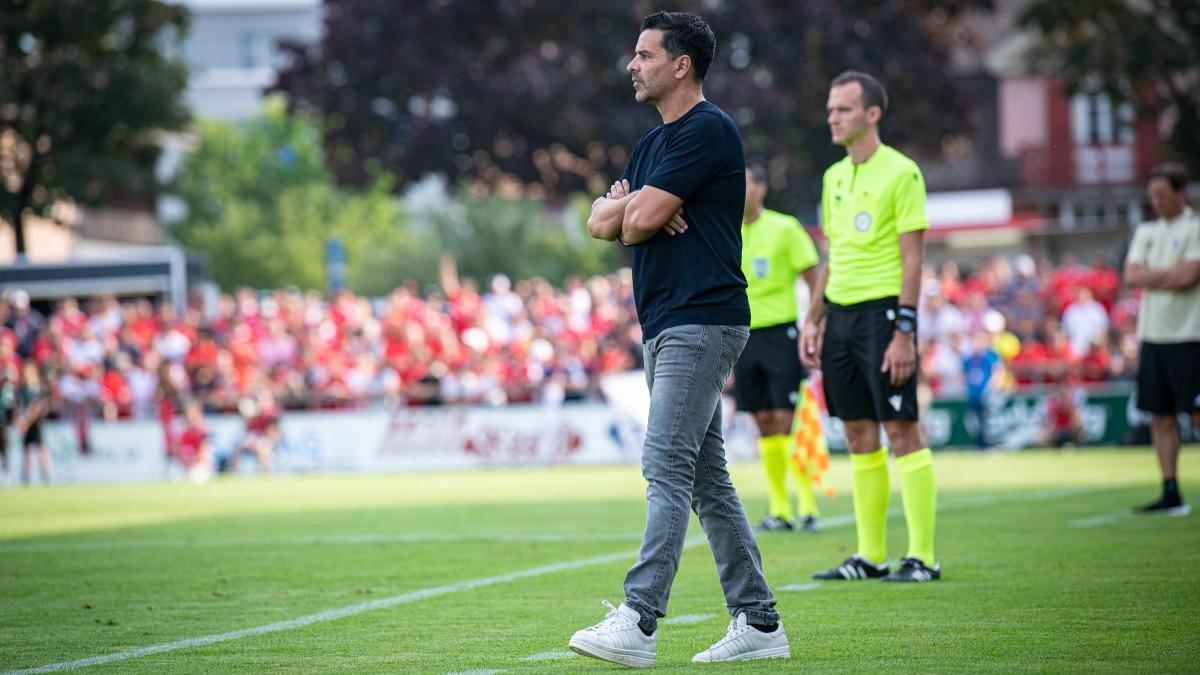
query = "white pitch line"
x=687 y=619
x=552 y=655
x=20 y=547
x=384 y=603
x=335 y=614
x=1102 y=519
x=810 y=586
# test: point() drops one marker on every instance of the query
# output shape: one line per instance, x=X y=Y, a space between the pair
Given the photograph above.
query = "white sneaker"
x=744 y=642
x=617 y=638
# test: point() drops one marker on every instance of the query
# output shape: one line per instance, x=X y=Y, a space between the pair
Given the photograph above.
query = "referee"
x=861 y=328
x=775 y=251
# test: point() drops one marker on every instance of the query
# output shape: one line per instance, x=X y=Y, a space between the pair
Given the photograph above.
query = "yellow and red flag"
x=811 y=453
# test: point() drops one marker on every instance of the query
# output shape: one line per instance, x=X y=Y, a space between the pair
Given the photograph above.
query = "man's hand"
x=619 y=189
x=811 y=337
x=608 y=212
x=676 y=225
x=900 y=359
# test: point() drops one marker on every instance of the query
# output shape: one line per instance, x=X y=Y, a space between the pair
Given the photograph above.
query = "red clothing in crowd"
x=262 y=422
x=114 y=389
x=191 y=442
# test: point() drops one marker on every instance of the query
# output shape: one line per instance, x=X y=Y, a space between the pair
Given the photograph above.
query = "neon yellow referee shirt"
x=775 y=250
x=865 y=208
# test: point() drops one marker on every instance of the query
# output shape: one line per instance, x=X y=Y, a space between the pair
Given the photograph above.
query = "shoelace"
x=611 y=620
x=733 y=632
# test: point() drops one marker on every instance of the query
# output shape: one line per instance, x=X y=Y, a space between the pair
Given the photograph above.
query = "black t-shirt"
x=695 y=277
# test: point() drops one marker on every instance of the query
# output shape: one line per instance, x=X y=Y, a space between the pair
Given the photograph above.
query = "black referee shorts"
x=768 y=374
x=856 y=336
x=1168 y=379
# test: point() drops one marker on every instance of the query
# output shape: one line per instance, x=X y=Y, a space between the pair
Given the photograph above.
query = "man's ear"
x=683 y=66
x=874 y=114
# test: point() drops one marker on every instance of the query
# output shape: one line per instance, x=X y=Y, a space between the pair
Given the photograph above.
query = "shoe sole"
x=839 y=577
x=1181 y=510
x=784 y=652
x=584 y=648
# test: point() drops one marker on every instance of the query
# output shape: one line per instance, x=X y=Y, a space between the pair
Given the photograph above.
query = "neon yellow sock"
x=919 y=490
x=804 y=490
x=871 y=503
x=774 y=459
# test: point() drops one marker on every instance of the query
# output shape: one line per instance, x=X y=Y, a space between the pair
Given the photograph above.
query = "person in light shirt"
x=1084 y=319
x=1164 y=260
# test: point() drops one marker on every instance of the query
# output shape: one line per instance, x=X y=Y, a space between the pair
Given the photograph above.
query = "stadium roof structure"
x=160 y=271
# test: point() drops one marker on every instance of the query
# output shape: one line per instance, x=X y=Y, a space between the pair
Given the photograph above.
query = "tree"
x=262 y=204
x=520 y=238
x=536 y=92
x=1124 y=48
x=84 y=89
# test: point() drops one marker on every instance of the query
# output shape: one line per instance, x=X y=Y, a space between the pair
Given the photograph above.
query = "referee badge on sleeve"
x=862 y=222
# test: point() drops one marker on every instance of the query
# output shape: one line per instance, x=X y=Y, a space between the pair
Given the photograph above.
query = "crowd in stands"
x=508 y=343
x=1047 y=324
x=527 y=341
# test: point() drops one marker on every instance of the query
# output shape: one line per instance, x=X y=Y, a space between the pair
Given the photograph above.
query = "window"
x=1097 y=120
x=257 y=50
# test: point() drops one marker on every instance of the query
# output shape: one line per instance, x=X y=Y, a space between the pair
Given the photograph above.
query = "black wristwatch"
x=906 y=320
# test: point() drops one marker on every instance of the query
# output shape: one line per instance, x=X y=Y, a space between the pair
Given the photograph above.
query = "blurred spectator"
x=195 y=450
x=10 y=380
x=1063 y=420
x=33 y=403
x=115 y=395
x=25 y=323
x=1025 y=315
x=1084 y=319
x=263 y=433
x=1096 y=360
x=981 y=367
x=939 y=318
x=79 y=390
x=142 y=380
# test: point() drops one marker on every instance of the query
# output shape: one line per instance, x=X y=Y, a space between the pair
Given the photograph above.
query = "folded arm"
x=650 y=210
x=1180 y=277
x=608 y=212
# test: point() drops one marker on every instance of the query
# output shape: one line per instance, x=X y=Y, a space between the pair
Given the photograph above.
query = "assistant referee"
x=861 y=328
x=766 y=380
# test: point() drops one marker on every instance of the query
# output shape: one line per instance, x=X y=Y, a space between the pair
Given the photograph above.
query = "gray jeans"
x=683 y=461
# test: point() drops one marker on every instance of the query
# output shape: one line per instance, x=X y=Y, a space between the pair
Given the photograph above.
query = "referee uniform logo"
x=862 y=222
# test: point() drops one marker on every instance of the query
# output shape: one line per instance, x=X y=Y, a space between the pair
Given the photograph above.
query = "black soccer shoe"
x=915 y=570
x=1166 y=505
x=775 y=524
x=854 y=568
x=809 y=524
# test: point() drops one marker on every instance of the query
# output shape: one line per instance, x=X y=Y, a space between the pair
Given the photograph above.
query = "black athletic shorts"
x=1168 y=379
x=767 y=375
x=856 y=336
x=33 y=434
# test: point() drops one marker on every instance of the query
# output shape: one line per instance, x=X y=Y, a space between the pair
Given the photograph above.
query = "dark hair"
x=685 y=33
x=758 y=170
x=1173 y=172
x=873 y=93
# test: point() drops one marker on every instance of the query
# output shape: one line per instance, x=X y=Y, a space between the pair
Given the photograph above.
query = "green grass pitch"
x=1044 y=571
